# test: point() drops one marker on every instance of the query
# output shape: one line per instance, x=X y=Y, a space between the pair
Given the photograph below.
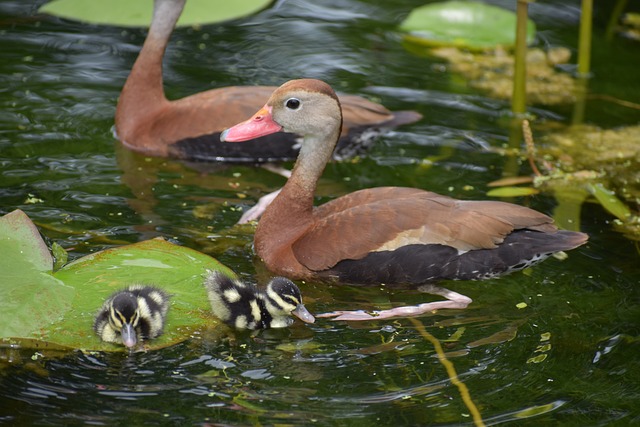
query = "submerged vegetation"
x=604 y=163
x=492 y=73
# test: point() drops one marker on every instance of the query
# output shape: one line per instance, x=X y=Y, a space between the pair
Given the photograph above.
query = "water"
x=568 y=358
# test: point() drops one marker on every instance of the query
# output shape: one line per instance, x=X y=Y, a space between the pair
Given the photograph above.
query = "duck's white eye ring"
x=292 y=103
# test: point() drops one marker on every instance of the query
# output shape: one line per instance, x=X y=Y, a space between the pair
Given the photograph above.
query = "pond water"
x=570 y=357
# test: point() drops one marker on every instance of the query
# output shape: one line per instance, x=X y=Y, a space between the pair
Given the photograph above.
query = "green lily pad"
x=58 y=308
x=25 y=264
x=466 y=24
x=127 y=13
x=20 y=236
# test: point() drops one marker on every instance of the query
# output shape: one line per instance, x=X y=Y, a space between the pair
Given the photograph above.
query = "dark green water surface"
x=570 y=357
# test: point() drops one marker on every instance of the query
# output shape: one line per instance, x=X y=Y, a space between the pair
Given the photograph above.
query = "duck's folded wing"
x=419 y=218
x=358 y=112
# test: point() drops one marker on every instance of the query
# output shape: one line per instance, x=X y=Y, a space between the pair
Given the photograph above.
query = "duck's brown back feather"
x=387 y=218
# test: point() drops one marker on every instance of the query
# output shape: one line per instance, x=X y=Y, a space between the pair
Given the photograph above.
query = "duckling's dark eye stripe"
x=117 y=318
x=291 y=299
x=135 y=318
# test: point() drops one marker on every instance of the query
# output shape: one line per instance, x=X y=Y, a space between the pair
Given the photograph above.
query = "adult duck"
x=189 y=128
x=390 y=235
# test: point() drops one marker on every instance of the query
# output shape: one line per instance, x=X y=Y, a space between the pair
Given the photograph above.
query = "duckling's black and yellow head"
x=133 y=314
x=248 y=307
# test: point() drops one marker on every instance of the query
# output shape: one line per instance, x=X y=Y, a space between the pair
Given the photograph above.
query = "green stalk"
x=584 y=44
x=519 y=98
x=613 y=20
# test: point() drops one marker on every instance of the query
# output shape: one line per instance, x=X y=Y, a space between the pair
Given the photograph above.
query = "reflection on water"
x=568 y=355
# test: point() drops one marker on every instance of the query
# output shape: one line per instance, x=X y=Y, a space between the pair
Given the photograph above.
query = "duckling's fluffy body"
x=133 y=314
x=245 y=306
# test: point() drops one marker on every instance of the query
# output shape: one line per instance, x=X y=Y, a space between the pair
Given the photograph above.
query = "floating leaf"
x=59 y=308
x=508 y=334
x=395 y=346
x=127 y=13
x=609 y=201
x=455 y=337
x=466 y=24
x=537 y=359
x=302 y=345
x=19 y=234
x=511 y=180
x=244 y=401
x=29 y=296
x=60 y=256
x=543 y=348
x=536 y=411
x=512 y=192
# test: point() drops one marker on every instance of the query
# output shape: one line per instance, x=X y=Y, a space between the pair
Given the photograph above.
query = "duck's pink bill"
x=260 y=124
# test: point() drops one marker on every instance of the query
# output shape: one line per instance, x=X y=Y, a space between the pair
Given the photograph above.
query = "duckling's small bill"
x=245 y=306
x=132 y=315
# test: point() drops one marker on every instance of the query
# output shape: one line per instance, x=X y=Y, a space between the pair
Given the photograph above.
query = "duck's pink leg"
x=454 y=300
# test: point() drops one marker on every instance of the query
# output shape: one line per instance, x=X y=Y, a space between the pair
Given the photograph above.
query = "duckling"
x=248 y=307
x=133 y=314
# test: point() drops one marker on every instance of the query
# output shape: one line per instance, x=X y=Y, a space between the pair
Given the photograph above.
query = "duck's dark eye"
x=292 y=103
x=290 y=299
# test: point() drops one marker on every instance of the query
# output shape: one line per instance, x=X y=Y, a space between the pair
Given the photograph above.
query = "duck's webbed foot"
x=454 y=300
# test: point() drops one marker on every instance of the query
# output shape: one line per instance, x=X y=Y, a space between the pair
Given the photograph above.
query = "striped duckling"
x=245 y=306
x=133 y=314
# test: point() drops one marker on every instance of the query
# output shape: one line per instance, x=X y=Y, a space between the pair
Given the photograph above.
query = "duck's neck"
x=314 y=155
x=296 y=197
x=143 y=88
x=291 y=213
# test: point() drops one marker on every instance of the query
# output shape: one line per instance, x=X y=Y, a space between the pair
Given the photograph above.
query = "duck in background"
x=132 y=315
x=189 y=128
x=245 y=306
x=390 y=235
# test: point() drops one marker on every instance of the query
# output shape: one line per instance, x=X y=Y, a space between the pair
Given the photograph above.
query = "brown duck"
x=189 y=128
x=390 y=235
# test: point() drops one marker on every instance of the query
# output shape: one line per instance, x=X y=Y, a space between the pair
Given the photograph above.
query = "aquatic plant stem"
x=584 y=61
x=451 y=372
x=519 y=97
x=584 y=43
x=580 y=105
x=613 y=20
x=531 y=148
